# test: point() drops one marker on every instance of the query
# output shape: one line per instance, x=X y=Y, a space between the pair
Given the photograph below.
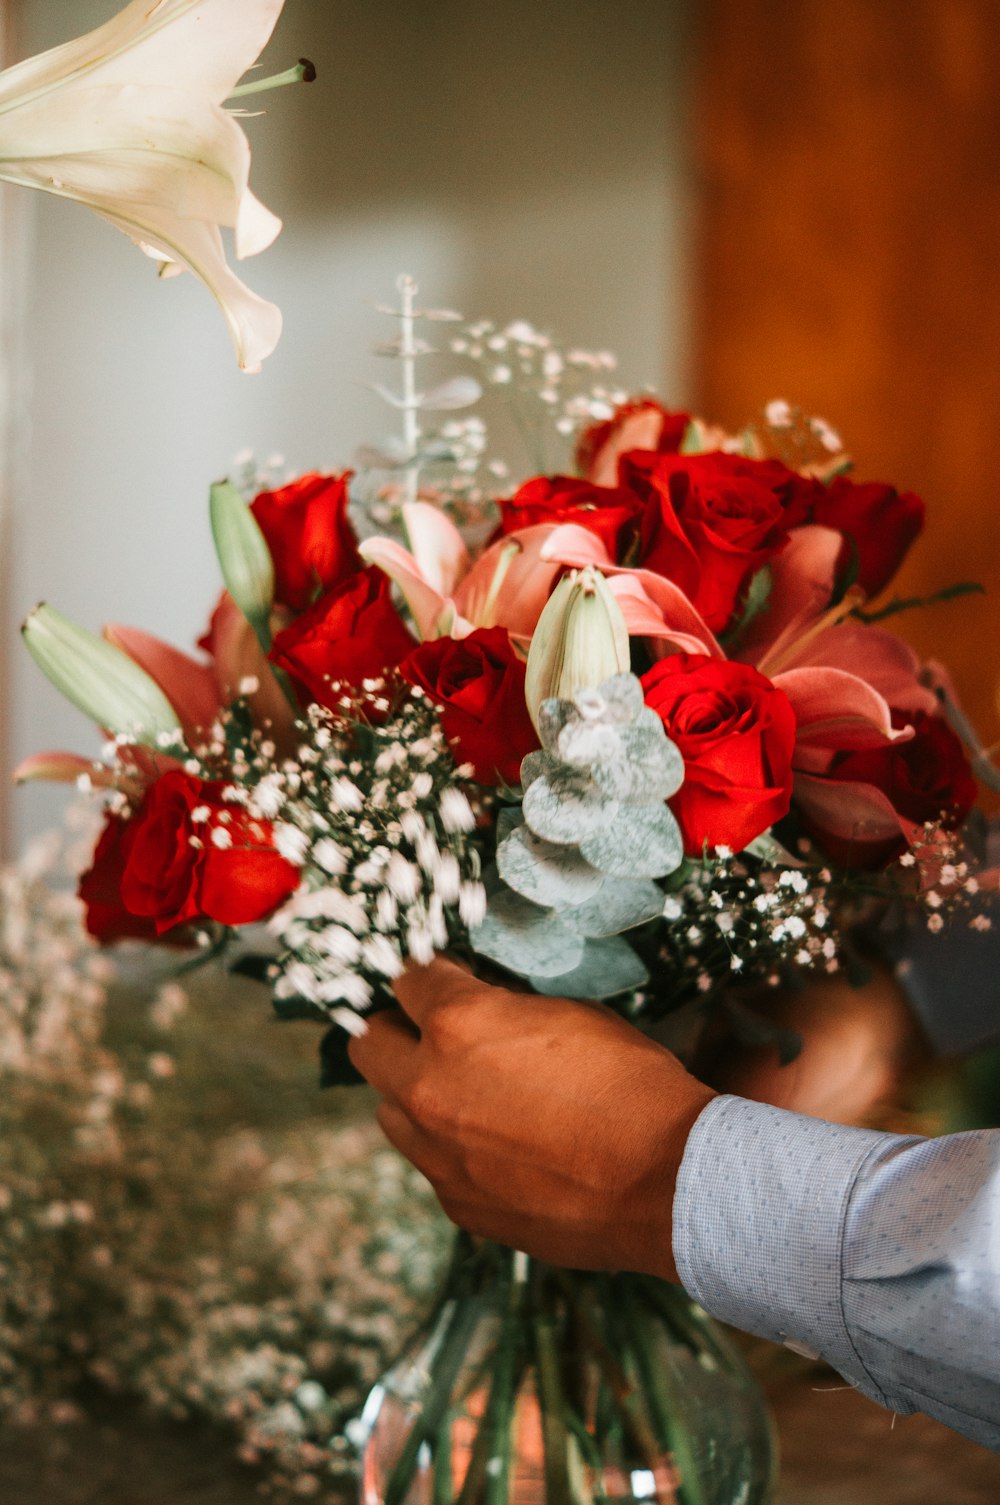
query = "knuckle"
x=422 y=1103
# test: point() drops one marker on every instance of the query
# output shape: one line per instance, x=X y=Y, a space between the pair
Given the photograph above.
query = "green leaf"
x=907 y=603
x=101 y=680
x=642 y=841
x=607 y=967
x=756 y=600
x=244 y=557
x=547 y=874
x=621 y=905
x=565 y=807
x=525 y=938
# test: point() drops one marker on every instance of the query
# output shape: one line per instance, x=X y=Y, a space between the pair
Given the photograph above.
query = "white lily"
x=129 y=120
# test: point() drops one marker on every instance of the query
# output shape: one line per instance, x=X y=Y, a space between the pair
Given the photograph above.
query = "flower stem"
x=447 y=1366
x=658 y=1382
x=554 y=1434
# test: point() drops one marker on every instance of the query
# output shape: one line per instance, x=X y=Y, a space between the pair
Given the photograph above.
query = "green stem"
x=658 y=1382
x=442 y=1491
x=627 y=1397
x=445 y=1370
x=554 y=1435
x=500 y=1415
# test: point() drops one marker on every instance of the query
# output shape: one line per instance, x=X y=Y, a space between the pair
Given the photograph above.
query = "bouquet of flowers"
x=647 y=742
x=630 y=730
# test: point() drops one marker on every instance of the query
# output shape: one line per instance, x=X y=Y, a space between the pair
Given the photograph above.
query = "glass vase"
x=532 y=1385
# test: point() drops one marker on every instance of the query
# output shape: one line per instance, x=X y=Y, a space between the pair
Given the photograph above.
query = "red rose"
x=100 y=889
x=353 y=633
x=711 y=521
x=642 y=423
x=478 y=681
x=878 y=523
x=309 y=535
x=925 y=779
x=184 y=857
x=736 y=733
x=609 y=511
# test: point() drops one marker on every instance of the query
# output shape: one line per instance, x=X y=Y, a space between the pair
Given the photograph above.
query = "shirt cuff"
x=759 y=1218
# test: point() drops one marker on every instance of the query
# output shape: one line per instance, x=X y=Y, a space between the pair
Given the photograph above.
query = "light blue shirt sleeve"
x=879 y=1253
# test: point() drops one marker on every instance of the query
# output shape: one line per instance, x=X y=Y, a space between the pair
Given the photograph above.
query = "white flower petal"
x=210 y=43
x=164 y=146
x=129 y=121
x=254 y=324
x=256 y=226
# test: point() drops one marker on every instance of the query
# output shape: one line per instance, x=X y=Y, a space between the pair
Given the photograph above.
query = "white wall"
x=520 y=157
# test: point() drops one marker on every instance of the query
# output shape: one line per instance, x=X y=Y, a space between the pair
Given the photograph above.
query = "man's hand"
x=549 y=1126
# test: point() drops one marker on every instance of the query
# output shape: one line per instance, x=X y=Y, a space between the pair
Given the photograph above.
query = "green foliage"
x=577 y=863
x=908 y=603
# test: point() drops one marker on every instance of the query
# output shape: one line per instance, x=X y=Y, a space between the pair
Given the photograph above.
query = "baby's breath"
x=377 y=819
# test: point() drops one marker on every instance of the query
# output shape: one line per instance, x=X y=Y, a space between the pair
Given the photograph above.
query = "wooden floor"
x=837 y=1449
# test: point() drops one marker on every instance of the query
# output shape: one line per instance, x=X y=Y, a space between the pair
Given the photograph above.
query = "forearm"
x=876 y=1252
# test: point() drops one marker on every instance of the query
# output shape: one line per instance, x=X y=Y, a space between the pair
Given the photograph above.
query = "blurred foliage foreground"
x=186 y=1222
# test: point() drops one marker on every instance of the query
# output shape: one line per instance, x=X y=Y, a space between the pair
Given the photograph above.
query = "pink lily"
x=199 y=692
x=450 y=595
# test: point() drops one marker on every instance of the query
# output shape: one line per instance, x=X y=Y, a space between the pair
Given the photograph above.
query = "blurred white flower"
x=129 y=120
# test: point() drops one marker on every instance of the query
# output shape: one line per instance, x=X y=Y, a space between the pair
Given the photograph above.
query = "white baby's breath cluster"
x=552 y=392
x=737 y=920
x=376 y=815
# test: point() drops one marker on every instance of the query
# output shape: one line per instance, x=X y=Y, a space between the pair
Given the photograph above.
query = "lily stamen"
x=779 y=659
x=304 y=72
x=509 y=552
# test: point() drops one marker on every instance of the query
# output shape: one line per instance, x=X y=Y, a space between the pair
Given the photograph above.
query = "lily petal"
x=884 y=661
x=654 y=607
x=802 y=584
x=62 y=768
x=211 y=42
x=188 y=685
x=129 y=121
x=838 y=711
x=515 y=597
x=858 y=814
x=437 y=547
x=427 y=605
x=237 y=658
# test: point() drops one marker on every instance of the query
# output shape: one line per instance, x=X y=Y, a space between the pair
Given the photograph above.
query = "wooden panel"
x=850 y=261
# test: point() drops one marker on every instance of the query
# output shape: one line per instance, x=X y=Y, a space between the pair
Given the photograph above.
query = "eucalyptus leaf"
x=586 y=743
x=553 y=715
x=650 y=771
x=606 y=968
x=554 y=876
x=459 y=392
x=526 y=939
x=508 y=821
x=642 y=841
x=623 y=698
x=535 y=765
x=564 y=808
x=622 y=904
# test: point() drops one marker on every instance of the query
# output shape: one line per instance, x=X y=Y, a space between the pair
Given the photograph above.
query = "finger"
x=386 y=1054
x=404 y=1135
x=422 y=989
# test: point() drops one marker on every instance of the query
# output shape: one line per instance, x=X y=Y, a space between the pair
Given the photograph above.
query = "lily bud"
x=245 y=559
x=100 y=680
x=580 y=640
